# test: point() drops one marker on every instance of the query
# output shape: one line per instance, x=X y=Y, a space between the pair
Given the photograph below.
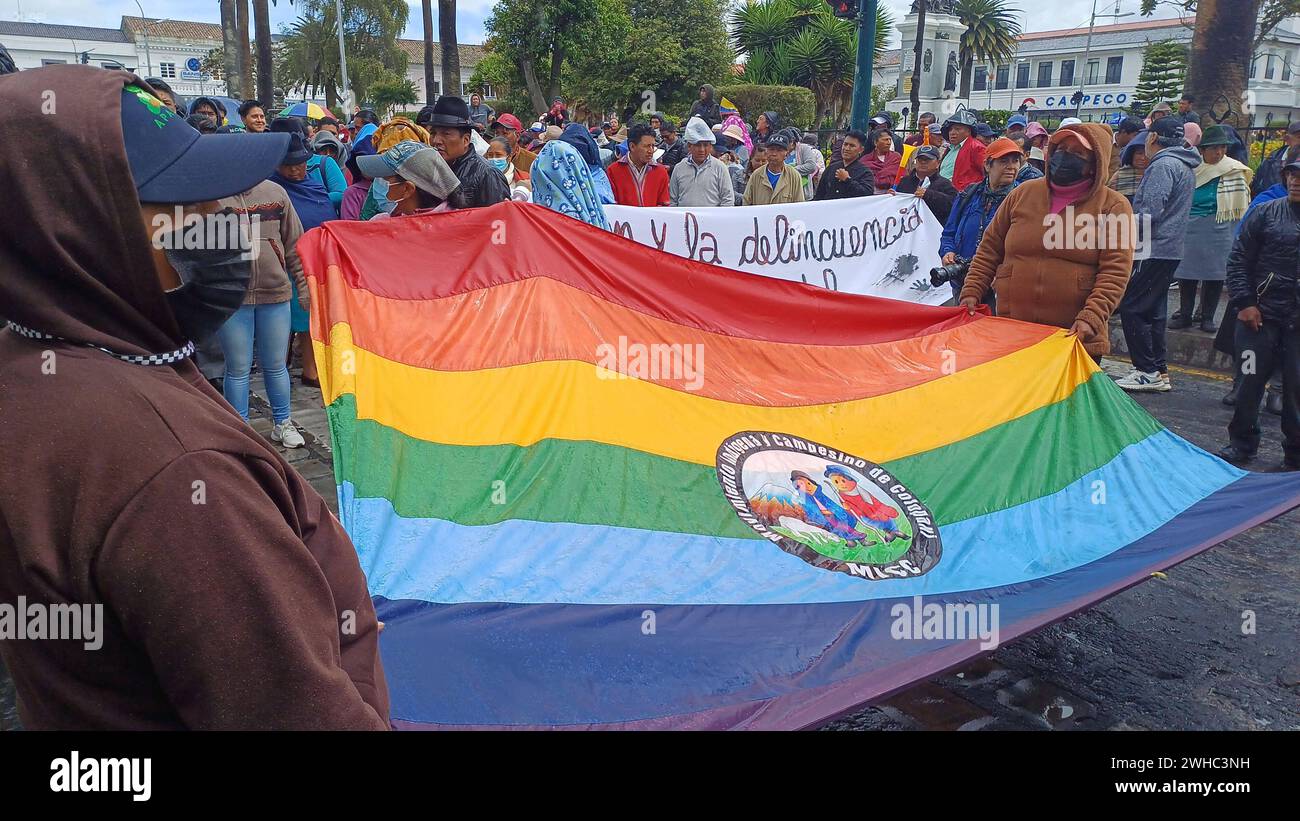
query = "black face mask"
x=1065 y=168
x=213 y=282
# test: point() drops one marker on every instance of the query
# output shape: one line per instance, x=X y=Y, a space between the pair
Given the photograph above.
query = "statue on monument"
x=935 y=6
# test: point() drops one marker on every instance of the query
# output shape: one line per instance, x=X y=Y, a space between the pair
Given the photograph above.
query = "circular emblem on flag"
x=832 y=509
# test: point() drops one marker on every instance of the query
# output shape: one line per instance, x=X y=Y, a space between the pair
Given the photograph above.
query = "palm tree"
x=230 y=49
x=450 y=48
x=429 y=92
x=1221 y=50
x=800 y=42
x=308 y=58
x=245 y=60
x=990 y=36
x=265 y=56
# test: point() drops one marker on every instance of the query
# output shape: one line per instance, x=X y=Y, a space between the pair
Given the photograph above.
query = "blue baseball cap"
x=172 y=163
x=1018 y=119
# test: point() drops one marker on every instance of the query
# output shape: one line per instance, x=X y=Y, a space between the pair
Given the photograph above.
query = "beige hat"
x=552 y=132
x=733 y=131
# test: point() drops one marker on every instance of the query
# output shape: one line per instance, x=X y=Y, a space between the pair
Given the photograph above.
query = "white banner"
x=881 y=246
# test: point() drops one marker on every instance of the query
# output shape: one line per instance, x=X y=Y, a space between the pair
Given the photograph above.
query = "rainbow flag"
x=594 y=485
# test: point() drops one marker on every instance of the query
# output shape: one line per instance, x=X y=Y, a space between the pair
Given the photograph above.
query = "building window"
x=1254 y=65
x=1093 y=71
x=437 y=87
x=981 y=79
x=1003 y=75
x=1044 y=75
x=487 y=93
x=1022 y=75
x=1286 y=68
x=167 y=71
x=1067 y=73
x=53 y=62
x=111 y=64
x=1270 y=66
x=1114 y=68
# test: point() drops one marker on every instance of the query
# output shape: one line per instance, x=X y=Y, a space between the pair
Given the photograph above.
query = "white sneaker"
x=286 y=434
x=1141 y=381
x=1164 y=377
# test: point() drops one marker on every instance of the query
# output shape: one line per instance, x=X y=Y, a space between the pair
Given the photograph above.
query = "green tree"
x=503 y=77
x=990 y=36
x=800 y=42
x=308 y=53
x=538 y=36
x=651 y=54
x=1226 y=37
x=1269 y=13
x=390 y=92
x=1164 y=68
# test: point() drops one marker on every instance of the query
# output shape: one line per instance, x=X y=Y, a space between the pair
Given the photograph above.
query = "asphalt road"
x=1167 y=654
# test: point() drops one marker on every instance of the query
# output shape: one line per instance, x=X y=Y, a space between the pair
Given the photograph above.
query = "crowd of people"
x=120 y=517
x=1187 y=189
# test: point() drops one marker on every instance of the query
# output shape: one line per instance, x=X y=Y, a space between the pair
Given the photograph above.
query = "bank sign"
x=193 y=71
x=1107 y=100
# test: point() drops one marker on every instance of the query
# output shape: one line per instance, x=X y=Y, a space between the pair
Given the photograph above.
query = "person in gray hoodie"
x=1164 y=197
x=701 y=180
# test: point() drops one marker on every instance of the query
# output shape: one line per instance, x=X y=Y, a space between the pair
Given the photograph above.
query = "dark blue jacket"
x=967 y=221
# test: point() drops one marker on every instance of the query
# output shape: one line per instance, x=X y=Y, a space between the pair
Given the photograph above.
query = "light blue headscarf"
x=563 y=182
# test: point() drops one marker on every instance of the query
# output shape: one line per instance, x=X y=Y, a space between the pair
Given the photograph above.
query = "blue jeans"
x=267 y=325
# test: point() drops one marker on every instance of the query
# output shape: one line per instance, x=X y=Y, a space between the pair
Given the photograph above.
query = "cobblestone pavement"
x=1167 y=654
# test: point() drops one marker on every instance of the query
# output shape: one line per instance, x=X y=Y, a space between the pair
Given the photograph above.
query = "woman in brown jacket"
x=1060 y=249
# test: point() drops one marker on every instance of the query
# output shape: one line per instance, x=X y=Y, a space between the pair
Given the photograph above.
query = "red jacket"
x=652 y=191
x=970 y=164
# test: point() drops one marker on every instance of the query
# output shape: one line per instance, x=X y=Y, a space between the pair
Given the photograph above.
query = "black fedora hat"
x=450 y=111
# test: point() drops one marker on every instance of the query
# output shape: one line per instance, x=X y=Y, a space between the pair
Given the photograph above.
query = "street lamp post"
x=144 y=29
x=343 y=63
x=1087 y=51
x=861 y=112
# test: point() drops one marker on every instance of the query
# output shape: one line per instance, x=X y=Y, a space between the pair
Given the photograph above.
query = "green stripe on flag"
x=592 y=483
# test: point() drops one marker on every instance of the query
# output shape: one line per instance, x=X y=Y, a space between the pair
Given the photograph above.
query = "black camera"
x=956 y=272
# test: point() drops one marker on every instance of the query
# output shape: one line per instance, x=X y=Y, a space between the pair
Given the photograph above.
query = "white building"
x=174 y=50
x=469 y=58
x=33 y=45
x=1051 y=66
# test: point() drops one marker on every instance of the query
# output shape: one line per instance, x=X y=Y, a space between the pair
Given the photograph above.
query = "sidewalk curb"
x=1194 y=349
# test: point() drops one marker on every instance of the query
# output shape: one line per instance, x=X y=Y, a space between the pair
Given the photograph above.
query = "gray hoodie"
x=1165 y=195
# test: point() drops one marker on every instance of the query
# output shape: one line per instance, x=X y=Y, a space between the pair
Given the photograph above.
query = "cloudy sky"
x=1037 y=15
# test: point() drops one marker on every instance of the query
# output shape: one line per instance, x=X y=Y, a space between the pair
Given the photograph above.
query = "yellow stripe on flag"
x=578 y=401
